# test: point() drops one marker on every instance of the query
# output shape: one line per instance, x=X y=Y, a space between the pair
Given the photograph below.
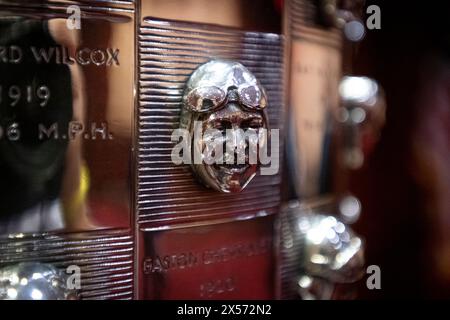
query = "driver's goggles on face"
x=207 y=99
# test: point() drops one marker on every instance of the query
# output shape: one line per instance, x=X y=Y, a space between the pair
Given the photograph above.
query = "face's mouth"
x=231 y=168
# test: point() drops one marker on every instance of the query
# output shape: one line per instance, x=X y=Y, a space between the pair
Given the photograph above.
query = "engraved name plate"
x=66 y=122
x=210 y=261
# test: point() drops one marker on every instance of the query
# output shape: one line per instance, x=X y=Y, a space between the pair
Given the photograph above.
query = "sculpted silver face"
x=225 y=97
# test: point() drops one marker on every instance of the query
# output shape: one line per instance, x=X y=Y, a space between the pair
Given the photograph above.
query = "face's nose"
x=234 y=114
x=232 y=94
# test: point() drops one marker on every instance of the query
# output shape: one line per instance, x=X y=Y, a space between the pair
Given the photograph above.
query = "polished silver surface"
x=362 y=115
x=91 y=192
x=67 y=110
x=66 y=121
x=105 y=259
x=169 y=53
x=35 y=281
x=319 y=250
x=313 y=67
x=86 y=217
x=178 y=218
x=225 y=96
x=332 y=251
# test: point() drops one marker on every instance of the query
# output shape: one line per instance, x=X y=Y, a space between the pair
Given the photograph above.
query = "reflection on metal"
x=224 y=95
x=177 y=216
x=34 y=281
x=318 y=250
x=175 y=199
x=349 y=208
x=362 y=115
x=66 y=108
x=315 y=70
x=66 y=112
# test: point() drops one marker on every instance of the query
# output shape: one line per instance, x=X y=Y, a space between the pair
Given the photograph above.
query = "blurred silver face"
x=324 y=250
x=34 y=281
x=224 y=95
x=332 y=250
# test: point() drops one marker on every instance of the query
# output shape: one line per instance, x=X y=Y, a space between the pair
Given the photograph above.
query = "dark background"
x=405 y=184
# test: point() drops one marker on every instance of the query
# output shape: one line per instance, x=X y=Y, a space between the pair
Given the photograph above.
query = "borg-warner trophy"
x=142 y=157
x=330 y=117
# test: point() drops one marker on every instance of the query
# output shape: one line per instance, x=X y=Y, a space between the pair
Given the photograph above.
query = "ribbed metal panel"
x=303 y=12
x=302 y=24
x=105 y=259
x=169 y=52
x=292 y=241
x=103 y=9
x=291 y=249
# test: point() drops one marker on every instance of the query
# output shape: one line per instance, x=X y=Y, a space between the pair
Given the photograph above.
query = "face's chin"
x=231 y=177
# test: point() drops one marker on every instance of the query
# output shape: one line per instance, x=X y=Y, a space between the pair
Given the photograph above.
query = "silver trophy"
x=327 y=116
x=105 y=108
x=91 y=202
